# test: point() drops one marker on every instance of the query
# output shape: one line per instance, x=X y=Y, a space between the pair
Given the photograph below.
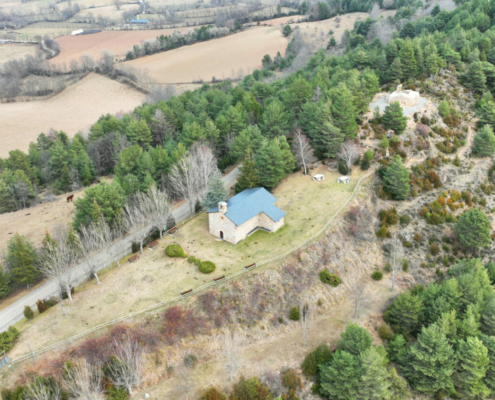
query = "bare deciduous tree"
x=56 y=262
x=117 y=4
x=302 y=150
x=38 y=391
x=137 y=222
x=396 y=261
x=155 y=204
x=357 y=291
x=306 y=314
x=231 y=347
x=349 y=152
x=128 y=367
x=83 y=381
x=206 y=163
x=185 y=372
x=184 y=177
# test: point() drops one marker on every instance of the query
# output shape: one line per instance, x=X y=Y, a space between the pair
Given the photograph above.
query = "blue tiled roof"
x=139 y=21
x=249 y=203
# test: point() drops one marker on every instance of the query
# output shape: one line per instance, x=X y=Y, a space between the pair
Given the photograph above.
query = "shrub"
x=42 y=307
x=365 y=164
x=8 y=338
x=387 y=268
x=191 y=259
x=342 y=167
x=28 y=312
x=405 y=219
x=368 y=155
x=330 y=279
x=417 y=237
x=405 y=265
x=434 y=249
x=174 y=250
x=290 y=379
x=383 y=233
x=320 y=355
x=250 y=389
x=388 y=217
x=385 y=332
x=294 y=314
x=212 y=394
x=197 y=262
x=207 y=267
x=117 y=393
x=190 y=360
x=377 y=275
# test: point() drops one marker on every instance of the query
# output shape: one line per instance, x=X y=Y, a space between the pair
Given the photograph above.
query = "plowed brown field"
x=222 y=58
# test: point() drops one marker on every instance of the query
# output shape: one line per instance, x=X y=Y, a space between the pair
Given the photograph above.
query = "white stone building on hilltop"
x=406 y=98
x=244 y=214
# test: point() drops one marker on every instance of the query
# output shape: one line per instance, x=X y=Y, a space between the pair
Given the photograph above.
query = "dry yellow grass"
x=156 y=277
x=13 y=51
x=221 y=58
x=109 y=12
x=53 y=29
x=76 y=108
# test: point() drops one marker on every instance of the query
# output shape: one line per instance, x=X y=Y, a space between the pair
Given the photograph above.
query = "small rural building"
x=139 y=21
x=245 y=213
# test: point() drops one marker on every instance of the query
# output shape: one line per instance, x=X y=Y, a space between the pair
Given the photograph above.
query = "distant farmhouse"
x=243 y=214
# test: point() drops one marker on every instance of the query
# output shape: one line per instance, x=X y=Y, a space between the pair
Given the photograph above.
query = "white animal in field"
x=343 y=179
x=319 y=177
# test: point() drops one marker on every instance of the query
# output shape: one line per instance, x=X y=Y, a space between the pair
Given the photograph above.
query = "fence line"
x=194 y=291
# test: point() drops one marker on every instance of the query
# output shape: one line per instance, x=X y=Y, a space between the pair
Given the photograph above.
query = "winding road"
x=15 y=312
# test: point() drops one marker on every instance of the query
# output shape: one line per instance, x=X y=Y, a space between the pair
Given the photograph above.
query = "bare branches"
x=396 y=264
x=349 y=152
x=136 y=220
x=38 y=391
x=231 y=347
x=357 y=290
x=57 y=260
x=126 y=369
x=155 y=204
x=306 y=314
x=302 y=150
x=83 y=381
x=205 y=161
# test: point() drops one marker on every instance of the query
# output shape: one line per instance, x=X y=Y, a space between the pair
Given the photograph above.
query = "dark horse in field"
x=70 y=198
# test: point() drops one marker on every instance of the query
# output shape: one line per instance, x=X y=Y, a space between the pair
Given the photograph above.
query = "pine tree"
x=487 y=113
x=6 y=202
x=216 y=193
x=72 y=241
x=249 y=138
x=340 y=377
x=327 y=138
x=398 y=387
x=139 y=133
x=393 y=118
x=472 y=366
x=473 y=229
x=249 y=174
x=405 y=313
x=343 y=111
x=431 y=64
x=488 y=318
x=299 y=92
x=236 y=118
x=65 y=180
x=130 y=184
x=395 y=71
x=429 y=363
x=355 y=340
x=475 y=78
x=47 y=243
x=408 y=60
x=5 y=286
x=274 y=121
x=484 y=142
x=374 y=383
x=489 y=343
x=270 y=164
x=391 y=52
x=469 y=325
x=396 y=180
x=21 y=260
x=287 y=156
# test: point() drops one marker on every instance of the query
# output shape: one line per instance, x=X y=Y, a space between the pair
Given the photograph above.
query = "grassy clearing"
x=156 y=277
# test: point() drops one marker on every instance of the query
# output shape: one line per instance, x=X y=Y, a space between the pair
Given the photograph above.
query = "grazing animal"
x=70 y=198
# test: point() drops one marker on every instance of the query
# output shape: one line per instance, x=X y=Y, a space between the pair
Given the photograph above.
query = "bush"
x=434 y=249
x=388 y=267
x=294 y=314
x=365 y=164
x=117 y=393
x=28 y=312
x=291 y=380
x=207 y=267
x=377 y=275
x=320 y=355
x=42 y=307
x=191 y=259
x=197 y=262
x=330 y=279
x=405 y=219
x=385 y=332
x=405 y=265
x=8 y=338
x=368 y=155
x=174 y=250
x=343 y=168
x=212 y=394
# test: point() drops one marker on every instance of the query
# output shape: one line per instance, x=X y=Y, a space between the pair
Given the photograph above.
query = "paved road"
x=14 y=312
